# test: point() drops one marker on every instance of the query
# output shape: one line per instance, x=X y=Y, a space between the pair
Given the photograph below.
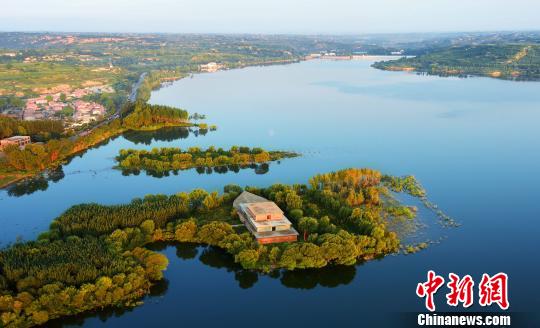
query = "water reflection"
x=186 y=251
x=262 y=168
x=331 y=276
x=166 y=134
x=78 y=320
x=216 y=258
x=40 y=182
x=470 y=91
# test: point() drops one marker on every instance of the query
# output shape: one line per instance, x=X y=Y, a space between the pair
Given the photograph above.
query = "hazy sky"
x=269 y=16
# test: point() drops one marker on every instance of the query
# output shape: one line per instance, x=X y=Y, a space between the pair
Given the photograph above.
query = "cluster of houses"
x=85 y=112
x=47 y=106
x=71 y=39
x=59 y=58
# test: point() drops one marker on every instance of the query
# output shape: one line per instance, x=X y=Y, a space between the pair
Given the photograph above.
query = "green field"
x=29 y=79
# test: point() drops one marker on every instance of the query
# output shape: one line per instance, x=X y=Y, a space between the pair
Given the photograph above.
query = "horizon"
x=275 y=34
x=342 y=17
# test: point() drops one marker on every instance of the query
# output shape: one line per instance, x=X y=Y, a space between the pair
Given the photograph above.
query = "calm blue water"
x=473 y=143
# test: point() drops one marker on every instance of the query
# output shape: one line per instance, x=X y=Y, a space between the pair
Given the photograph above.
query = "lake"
x=473 y=143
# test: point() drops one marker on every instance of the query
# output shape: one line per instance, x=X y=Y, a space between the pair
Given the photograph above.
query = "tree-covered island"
x=169 y=158
x=94 y=255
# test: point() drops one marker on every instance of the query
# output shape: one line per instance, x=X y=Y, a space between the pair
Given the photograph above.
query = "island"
x=503 y=61
x=94 y=255
x=170 y=158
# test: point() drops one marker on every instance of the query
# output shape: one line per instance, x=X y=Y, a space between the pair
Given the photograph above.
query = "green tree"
x=185 y=231
x=308 y=225
x=292 y=200
x=248 y=258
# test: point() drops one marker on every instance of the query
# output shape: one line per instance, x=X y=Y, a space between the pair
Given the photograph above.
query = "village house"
x=79 y=93
x=264 y=219
x=41 y=101
x=88 y=107
x=56 y=106
x=313 y=56
x=31 y=105
x=20 y=141
x=210 y=67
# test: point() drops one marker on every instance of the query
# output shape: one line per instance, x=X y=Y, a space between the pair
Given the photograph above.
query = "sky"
x=269 y=16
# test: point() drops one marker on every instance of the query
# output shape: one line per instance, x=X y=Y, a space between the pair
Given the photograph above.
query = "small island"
x=170 y=159
x=94 y=255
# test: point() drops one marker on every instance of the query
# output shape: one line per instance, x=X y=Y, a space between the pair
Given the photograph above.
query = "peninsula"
x=502 y=61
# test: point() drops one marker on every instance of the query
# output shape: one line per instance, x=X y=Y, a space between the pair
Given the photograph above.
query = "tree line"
x=142 y=114
x=40 y=130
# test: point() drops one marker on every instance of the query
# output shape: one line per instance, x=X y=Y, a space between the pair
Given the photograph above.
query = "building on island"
x=20 y=141
x=264 y=219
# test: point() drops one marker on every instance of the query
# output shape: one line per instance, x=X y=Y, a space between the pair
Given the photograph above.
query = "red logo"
x=429 y=288
x=461 y=290
x=492 y=289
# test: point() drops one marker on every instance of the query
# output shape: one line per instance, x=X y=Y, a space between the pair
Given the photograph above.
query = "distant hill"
x=504 y=61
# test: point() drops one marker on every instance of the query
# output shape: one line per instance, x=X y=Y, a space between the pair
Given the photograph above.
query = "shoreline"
x=17 y=178
x=167 y=82
x=170 y=81
x=23 y=176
